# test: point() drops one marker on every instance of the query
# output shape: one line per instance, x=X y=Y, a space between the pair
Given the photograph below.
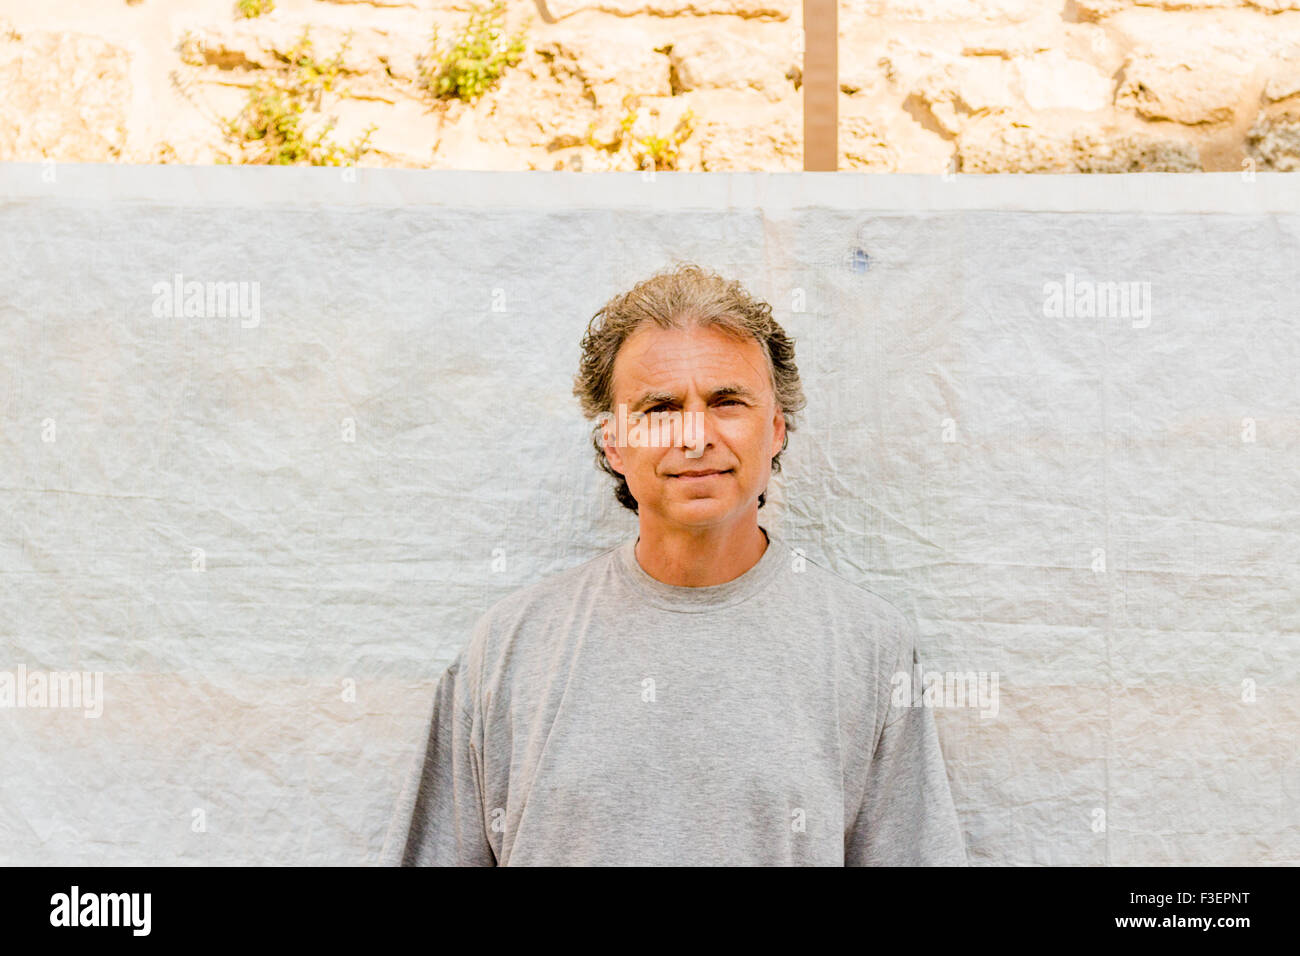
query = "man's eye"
x=723 y=401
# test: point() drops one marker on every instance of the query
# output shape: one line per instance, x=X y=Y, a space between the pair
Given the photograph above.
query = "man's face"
x=690 y=370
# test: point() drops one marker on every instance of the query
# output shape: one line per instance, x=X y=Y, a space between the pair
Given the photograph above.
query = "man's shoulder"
x=842 y=590
x=849 y=600
x=498 y=633
x=548 y=591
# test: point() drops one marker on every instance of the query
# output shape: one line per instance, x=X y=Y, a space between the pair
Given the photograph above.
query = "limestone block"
x=1186 y=86
x=997 y=144
x=718 y=59
x=1274 y=143
x=65 y=96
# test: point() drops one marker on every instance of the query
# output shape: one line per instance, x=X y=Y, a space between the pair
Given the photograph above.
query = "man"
x=698 y=695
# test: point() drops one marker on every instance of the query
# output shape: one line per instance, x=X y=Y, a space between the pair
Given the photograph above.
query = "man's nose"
x=697 y=431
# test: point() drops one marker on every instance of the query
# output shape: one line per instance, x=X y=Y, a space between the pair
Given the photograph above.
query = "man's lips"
x=697 y=473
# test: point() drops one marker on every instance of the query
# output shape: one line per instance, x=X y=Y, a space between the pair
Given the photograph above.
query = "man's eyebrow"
x=650 y=399
x=738 y=390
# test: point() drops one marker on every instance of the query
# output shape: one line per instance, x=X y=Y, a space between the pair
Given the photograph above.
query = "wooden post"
x=821 y=85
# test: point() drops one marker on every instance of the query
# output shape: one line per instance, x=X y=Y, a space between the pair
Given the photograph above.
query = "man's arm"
x=439 y=819
x=907 y=817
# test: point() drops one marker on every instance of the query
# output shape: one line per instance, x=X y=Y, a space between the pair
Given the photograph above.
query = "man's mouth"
x=700 y=473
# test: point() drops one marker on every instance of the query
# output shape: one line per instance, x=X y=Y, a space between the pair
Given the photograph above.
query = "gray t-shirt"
x=603 y=717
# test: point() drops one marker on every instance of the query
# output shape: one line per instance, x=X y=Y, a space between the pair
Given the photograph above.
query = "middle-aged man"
x=700 y=694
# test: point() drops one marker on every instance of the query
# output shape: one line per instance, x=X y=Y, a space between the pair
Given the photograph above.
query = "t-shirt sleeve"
x=439 y=818
x=907 y=817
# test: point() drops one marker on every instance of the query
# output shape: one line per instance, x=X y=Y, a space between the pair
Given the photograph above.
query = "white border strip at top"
x=1230 y=193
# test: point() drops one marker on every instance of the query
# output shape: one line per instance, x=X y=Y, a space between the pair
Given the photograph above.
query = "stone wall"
x=926 y=85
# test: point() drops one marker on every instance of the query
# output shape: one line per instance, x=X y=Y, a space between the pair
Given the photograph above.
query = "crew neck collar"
x=712 y=597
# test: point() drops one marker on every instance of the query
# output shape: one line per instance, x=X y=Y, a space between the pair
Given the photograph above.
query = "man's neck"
x=697 y=558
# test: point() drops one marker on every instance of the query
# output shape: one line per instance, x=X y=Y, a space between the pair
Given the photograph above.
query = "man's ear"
x=778 y=432
x=608 y=438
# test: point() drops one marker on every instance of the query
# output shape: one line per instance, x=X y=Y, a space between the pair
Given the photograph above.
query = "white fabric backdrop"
x=1072 y=502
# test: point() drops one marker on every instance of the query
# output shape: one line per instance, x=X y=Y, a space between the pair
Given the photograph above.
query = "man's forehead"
x=673 y=358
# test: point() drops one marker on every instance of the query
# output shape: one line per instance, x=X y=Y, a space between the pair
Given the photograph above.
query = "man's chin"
x=702 y=510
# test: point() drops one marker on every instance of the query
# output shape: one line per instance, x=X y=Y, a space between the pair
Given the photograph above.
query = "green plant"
x=273 y=120
x=190 y=48
x=474 y=62
x=664 y=151
x=650 y=151
x=255 y=8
